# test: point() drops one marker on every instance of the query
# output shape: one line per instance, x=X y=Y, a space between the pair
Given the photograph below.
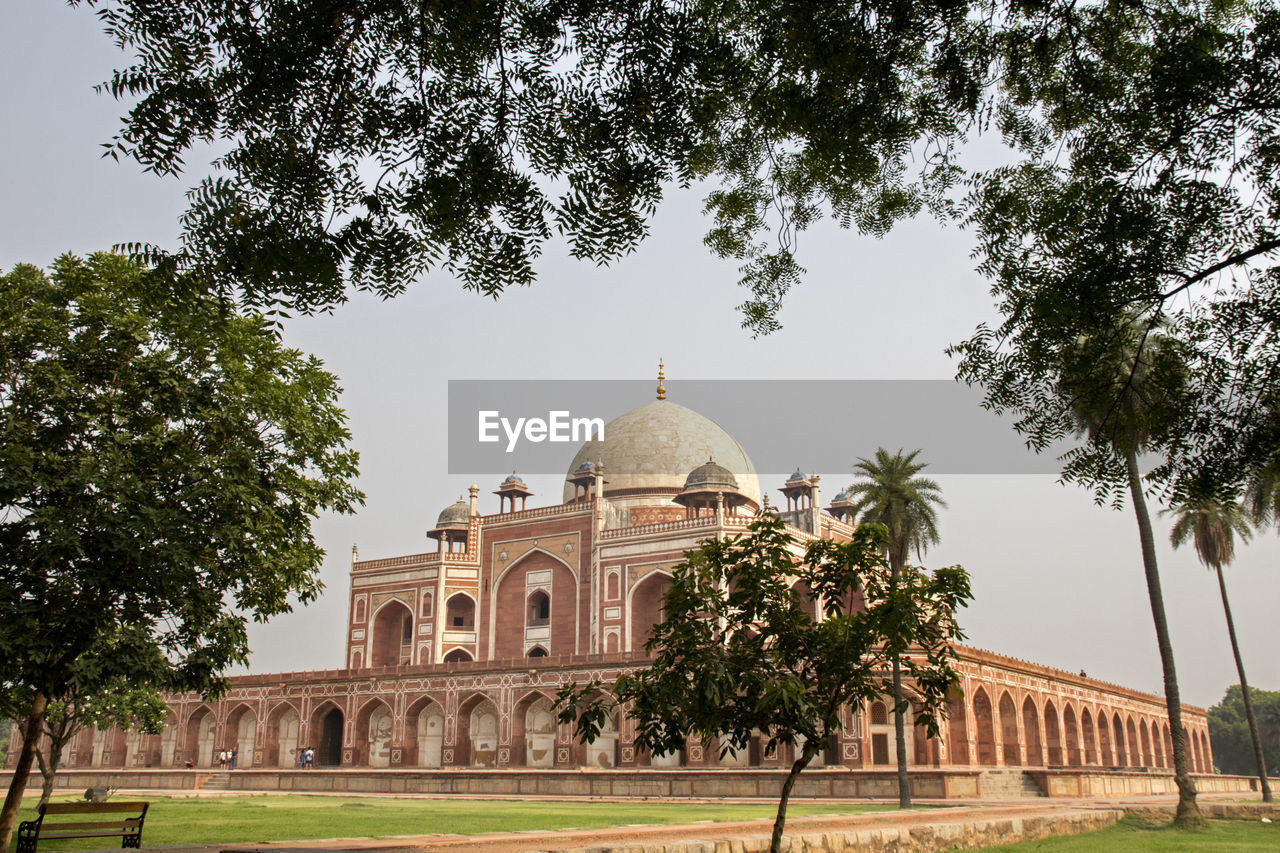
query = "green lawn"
x=1134 y=836
x=251 y=819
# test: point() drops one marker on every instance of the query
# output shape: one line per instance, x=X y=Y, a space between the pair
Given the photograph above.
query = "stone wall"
x=965 y=833
x=1092 y=783
x=837 y=784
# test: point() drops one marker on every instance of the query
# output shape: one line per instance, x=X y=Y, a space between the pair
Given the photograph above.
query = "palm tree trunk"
x=904 y=781
x=899 y=726
x=900 y=735
x=1188 y=813
x=1244 y=692
x=18 y=784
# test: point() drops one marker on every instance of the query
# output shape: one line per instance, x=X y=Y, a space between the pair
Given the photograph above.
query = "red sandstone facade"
x=453 y=657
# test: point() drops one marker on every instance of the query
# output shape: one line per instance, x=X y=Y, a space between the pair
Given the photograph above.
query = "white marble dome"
x=651 y=450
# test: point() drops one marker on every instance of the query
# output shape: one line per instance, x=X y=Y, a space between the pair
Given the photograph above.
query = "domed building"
x=648 y=452
x=453 y=657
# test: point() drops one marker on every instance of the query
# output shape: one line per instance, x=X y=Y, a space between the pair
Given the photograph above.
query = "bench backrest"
x=138 y=807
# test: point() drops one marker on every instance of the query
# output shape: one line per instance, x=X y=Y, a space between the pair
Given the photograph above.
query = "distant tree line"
x=1229 y=731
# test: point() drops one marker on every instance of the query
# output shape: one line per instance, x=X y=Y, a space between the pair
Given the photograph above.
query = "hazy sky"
x=1056 y=579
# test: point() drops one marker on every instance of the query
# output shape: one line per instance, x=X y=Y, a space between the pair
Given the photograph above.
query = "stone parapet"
x=1092 y=782
x=965 y=833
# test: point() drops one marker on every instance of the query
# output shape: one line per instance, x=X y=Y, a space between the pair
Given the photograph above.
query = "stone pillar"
x=815 y=507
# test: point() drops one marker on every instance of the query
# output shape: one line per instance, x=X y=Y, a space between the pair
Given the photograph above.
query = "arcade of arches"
x=507 y=719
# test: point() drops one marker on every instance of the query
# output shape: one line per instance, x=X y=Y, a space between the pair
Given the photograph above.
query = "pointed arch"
x=326 y=733
x=533 y=727
x=1106 y=754
x=460 y=611
x=645 y=606
x=1072 y=735
x=201 y=730
x=242 y=734
x=537 y=549
x=957 y=731
x=881 y=732
x=284 y=724
x=478 y=716
x=1031 y=730
x=373 y=734
x=1134 y=748
x=1090 y=737
x=1118 y=741
x=169 y=740
x=1010 y=747
x=392 y=630
x=1148 y=757
x=457 y=655
x=984 y=722
x=424 y=723
x=537 y=596
x=1053 y=735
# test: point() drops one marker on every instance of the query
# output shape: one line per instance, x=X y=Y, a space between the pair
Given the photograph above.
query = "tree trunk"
x=1244 y=692
x=49 y=769
x=1188 y=813
x=13 y=800
x=810 y=750
x=900 y=738
x=899 y=727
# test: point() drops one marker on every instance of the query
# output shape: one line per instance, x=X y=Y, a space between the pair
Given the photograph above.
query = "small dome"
x=711 y=477
x=514 y=478
x=840 y=496
x=798 y=475
x=586 y=466
x=455 y=515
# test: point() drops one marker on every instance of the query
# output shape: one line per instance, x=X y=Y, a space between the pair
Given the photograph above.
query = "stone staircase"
x=214 y=782
x=1007 y=784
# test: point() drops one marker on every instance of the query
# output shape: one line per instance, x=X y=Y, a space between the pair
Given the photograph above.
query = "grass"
x=1134 y=836
x=251 y=819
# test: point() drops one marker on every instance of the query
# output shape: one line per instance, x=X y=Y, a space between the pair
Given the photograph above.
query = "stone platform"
x=834 y=783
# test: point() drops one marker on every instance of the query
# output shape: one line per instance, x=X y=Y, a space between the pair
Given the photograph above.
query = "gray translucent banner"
x=537 y=426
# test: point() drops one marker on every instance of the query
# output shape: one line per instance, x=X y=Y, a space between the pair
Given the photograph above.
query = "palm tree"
x=1120 y=393
x=1262 y=497
x=1212 y=524
x=890 y=493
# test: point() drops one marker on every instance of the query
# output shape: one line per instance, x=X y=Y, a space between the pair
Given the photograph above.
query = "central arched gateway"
x=329 y=751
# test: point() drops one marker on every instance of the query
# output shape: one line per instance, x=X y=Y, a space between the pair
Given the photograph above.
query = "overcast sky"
x=1056 y=579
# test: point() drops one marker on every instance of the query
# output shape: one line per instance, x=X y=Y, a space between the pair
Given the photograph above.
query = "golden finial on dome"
x=662 y=389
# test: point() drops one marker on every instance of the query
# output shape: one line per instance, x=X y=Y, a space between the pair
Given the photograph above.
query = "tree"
x=371 y=142
x=740 y=652
x=1124 y=392
x=1229 y=731
x=122 y=706
x=1212 y=524
x=161 y=462
x=889 y=493
x=1262 y=495
x=1146 y=186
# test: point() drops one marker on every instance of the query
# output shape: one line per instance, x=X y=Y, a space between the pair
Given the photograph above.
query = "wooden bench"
x=121 y=820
